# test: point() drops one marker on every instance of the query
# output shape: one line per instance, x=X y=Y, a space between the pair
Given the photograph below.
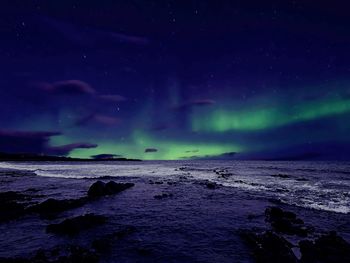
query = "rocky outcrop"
x=328 y=248
x=104 y=243
x=99 y=188
x=269 y=247
x=286 y=222
x=12 y=205
x=211 y=185
x=75 y=225
x=51 y=207
x=59 y=254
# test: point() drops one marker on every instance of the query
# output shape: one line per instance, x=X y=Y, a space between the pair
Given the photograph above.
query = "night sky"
x=175 y=79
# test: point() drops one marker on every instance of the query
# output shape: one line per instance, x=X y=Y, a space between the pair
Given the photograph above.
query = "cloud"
x=90 y=37
x=25 y=141
x=193 y=103
x=99 y=119
x=112 y=97
x=35 y=142
x=151 y=150
x=104 y=156
x=66 y=149
x=67 y=87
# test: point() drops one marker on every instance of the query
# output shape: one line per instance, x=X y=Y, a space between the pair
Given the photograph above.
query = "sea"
x=196 y=223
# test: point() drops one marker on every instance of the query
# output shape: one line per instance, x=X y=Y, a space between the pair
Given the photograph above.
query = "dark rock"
x=211 y=185
x=70 y=254
x=269 y=247
x=11 y=210
x=115 y=188
x=275 y=201
x=162 y=196
x=329 y=248
x=81 y=255
x=104 y=243
x=144 y=252
x=12 y=206
x=302 y=179
x=283 y=176
x=99 y=188
x=12 y=196
x=74 y=225
x=286 y=222
x=53 y=206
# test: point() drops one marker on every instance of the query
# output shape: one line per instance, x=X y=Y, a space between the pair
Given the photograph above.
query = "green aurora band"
x=220 y=121
x=223 y=120
x=167 y=149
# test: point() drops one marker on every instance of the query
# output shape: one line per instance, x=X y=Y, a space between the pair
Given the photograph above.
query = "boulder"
x=11 y=205
x=286 y=222
x=53 y=206
x=114 y=188
x=269 y=247
x=75 y=225
x=99 y=189
x=211 y=185
x=104 y=243
x=329 y=248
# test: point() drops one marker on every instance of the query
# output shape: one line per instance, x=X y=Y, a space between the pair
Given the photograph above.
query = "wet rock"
x=223 y=173
x=302 y=179
x=104 y=243
x=12 y=206
x=155 y=182
x=51 y=206
x=211 y=185
x=115 y=188
x=10 y=211
x=286 y=222
x=99 y=189
x=145 y=252
x=162 y=196
x=275 y=201
x=329 y=248
x=269 y=247
x=75 y=225
x=70 y=254
x=283 y=176
x=12 y=196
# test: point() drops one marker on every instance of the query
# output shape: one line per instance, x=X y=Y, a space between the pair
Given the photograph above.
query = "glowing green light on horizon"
x=265 y=118
x=167 y=149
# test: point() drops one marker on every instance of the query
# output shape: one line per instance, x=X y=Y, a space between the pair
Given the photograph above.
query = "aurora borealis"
x=169 y=80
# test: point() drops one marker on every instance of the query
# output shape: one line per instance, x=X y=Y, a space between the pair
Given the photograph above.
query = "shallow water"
x=197 y=224
x=319 y=185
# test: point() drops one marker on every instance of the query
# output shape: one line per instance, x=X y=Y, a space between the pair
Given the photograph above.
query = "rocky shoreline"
x=284 y=238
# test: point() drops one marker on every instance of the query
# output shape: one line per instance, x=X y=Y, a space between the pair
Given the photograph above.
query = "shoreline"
x=155 y=220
